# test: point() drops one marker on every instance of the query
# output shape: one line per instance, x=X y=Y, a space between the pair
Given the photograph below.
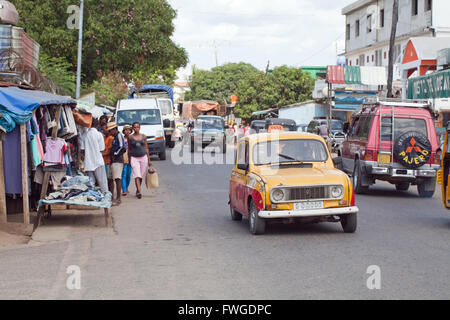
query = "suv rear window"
x=401 y=126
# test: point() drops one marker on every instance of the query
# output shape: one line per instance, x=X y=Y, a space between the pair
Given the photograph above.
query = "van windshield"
x=144 y=117
x=165 y=106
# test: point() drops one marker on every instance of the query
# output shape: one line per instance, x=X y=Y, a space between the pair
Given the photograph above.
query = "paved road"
x=179 y=243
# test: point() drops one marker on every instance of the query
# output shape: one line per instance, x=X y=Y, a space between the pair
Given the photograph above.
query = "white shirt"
x=93 y=144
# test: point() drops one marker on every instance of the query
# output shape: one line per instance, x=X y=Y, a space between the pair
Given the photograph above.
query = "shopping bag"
x=152 y=180
x=82 y=119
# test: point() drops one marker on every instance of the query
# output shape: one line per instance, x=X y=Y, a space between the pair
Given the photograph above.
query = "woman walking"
x=126 y=173
x=139 y=156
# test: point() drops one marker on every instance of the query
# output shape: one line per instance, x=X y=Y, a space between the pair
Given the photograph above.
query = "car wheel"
x=162 y=156
x=357 y=179
x=427 y=188
x=171 y=144
x=349 y=222
x=403 y=186
x=257 y=224
x=235 y=216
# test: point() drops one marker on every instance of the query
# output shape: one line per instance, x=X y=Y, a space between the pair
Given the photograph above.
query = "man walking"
x=91 y=145
x=117 y=160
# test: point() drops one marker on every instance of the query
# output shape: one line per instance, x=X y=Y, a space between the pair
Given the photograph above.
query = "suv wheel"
x=427 y=188
x=162 y=156
x=402 y=186
x=357 y=179
x=171 y=144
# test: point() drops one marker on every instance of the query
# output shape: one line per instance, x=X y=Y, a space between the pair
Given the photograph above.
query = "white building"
x=369 y=22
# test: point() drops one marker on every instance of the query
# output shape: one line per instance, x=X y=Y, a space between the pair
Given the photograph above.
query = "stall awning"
x=370 y=76
x=17 y=105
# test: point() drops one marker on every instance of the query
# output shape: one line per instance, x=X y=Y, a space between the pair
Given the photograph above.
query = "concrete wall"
x=303 y=114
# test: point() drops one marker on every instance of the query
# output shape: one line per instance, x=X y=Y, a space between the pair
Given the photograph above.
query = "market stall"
x=40 y=154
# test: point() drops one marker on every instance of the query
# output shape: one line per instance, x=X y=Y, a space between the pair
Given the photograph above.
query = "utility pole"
x=391 y=50
x=80 y=49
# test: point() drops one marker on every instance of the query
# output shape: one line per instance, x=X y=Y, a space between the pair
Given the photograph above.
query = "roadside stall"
x=39 y=155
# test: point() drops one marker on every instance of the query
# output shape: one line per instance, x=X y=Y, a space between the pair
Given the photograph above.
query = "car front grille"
x=307 y=193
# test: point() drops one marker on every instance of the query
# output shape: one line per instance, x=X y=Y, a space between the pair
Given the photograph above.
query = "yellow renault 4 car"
x=289 y=176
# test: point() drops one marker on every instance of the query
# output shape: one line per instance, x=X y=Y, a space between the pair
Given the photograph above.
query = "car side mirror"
x=243 y=166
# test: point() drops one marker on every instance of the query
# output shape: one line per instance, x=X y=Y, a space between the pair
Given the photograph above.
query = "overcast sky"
x=291 y=32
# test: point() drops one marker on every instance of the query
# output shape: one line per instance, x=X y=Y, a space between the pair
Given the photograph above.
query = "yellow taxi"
x=443 y=175
x=289 y=176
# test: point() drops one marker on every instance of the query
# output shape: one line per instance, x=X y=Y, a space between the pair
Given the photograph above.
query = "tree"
x=220 y=83
x=109 y=88
x=119 y=35
x=58 y=70
x=391 y=49
x=283 y=87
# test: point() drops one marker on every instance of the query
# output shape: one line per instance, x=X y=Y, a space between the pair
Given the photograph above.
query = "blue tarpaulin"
x=154 y=88
x=17 y=105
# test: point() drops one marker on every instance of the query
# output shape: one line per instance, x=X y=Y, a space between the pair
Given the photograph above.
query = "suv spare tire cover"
x=413 y=149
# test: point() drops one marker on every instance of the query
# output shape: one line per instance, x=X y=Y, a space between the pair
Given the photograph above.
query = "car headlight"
x=337 y=192
x=278 y=195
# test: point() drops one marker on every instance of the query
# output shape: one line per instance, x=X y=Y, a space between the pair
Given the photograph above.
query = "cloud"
x=292 y=32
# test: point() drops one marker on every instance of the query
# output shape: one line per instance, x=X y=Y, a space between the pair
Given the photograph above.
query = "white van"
x=148 y=114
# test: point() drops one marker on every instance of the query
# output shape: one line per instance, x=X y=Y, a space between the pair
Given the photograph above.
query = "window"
x=402 y=125
x=347 y=32
x=379 y=58
x=428 y=5
x=285 y=151
x=373 y=58
x=357 y=61
x=415 y=7
x=357 y=28
x=369 y=23
x=382 y=18
x=243 y=153
x=364 y=127
x=165 y=106
x=361 y=60
x=368 y=59
x=385 y=55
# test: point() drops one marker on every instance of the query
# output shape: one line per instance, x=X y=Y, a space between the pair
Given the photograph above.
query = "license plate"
x=384 y=158
x=312 y=205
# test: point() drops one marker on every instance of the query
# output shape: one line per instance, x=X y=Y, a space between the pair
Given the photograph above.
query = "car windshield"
x=337 y=126
x=289 y=151
x=209 y=124
x=144 y=117
x=165 y=106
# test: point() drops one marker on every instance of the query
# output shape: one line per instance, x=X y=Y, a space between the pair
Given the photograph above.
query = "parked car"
x=337 y=126
x=394 y=142
x=258 y=125
x=208 y=131
x=287 y=124
x=299 y=181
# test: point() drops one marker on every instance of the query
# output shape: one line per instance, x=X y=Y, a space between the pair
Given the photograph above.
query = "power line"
x=323 y=49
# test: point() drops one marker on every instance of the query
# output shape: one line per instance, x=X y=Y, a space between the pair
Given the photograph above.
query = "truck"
x=163 y=95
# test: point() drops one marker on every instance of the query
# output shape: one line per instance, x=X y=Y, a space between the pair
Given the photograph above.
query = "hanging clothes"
x=12 y=162
x=37 y=150
x=54 y=152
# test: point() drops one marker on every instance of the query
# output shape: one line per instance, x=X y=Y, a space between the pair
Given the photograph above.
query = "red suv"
x=410 y=156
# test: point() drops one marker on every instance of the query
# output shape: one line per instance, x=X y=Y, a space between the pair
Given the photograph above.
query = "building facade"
x=368 y=29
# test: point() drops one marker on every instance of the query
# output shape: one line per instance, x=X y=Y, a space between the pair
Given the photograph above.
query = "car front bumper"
x=156 y=146
x=307 y=213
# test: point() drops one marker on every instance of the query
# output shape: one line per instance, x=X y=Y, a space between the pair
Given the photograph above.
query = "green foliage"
x=220 y=83
x=59 y=71
x=110 y=88
x=283 y=87
x=166 y=76
x=119 y=35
